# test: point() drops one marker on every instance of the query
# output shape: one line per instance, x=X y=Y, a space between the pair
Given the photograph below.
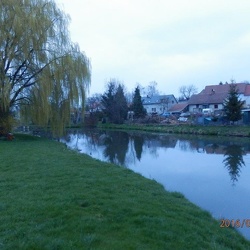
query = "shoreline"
x=227 y=131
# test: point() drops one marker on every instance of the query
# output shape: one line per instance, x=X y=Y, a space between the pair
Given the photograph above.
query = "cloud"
x=172 y=42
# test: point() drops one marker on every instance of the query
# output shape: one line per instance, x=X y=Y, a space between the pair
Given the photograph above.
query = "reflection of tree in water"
x=138 y=145
x=184 y=145
x=92 y=139
x=234 y=161
x=116 y=147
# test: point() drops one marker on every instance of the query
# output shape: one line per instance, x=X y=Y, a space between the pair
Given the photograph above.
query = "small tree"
x=121 y=105
x=233 y=104
x=114 y=102
x=137 y=106
x=108 y=100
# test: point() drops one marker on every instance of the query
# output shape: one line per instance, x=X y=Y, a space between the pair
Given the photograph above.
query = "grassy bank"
x=233 y=130
x=53 y=198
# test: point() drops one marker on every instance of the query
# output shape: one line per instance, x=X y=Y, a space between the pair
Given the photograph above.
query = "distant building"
x=178 y=108
x=158 y=104
x=213 y=97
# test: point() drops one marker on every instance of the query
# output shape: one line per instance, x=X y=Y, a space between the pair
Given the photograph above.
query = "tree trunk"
x=6 y=122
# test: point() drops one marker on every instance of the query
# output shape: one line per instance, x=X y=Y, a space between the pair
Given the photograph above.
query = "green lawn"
x=54 y=198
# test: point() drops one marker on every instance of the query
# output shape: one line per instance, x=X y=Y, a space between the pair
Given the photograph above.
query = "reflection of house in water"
x=215 y=149
x=220 y=149
x=208 y=147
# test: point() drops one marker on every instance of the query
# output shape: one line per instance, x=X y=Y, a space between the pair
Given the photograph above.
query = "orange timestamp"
x=235 y=223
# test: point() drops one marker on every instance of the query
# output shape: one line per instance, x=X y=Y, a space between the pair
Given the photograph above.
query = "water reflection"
x=138 y=144
x=234 y=161
x=116 y=147
x=125 y=148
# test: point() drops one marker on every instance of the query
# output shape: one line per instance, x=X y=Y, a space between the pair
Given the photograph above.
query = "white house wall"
x=246 y=99
x=194 y=108
x=159 y=108
x=153 y=108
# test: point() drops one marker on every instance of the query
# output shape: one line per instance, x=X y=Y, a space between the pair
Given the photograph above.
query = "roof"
x=178 y=107
x=224 y=88
x=207 y=98
x=215 y=94
x=156 y=99
x=247 y=90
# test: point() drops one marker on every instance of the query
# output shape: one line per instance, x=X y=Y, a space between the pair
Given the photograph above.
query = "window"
x=215 y=106
x=153 y=109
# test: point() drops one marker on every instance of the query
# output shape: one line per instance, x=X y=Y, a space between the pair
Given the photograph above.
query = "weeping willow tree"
x=43 y=75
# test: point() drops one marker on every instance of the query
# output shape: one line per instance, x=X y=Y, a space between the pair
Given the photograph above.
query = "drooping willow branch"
x=40 y=66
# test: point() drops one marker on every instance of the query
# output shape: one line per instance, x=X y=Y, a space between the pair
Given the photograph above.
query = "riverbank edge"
x=228 y=131
x=140 y=213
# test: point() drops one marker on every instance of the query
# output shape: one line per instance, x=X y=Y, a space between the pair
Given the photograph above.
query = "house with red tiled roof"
x=213 y=96
x=179 y=108
x=246 y=96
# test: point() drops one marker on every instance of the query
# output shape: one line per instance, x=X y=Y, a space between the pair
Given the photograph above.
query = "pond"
x=212 y=172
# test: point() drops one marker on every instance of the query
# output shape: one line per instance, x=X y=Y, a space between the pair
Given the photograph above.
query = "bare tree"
x=94 y=102
x=152 y=89
x=187 y=91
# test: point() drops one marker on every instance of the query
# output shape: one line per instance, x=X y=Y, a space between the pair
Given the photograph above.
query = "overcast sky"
x=174 y=43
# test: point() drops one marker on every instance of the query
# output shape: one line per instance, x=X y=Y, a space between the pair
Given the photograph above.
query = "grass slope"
x=53 y=198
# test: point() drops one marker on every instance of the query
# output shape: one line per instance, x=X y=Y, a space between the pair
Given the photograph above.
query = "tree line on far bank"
x=117 y=107
x=115 y=104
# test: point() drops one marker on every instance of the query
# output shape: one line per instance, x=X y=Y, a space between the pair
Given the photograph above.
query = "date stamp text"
x=235 y=223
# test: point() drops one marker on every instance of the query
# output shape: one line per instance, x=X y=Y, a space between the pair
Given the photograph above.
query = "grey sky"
x=174 y=43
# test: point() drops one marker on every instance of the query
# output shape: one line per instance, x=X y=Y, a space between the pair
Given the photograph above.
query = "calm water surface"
x=213 y=173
